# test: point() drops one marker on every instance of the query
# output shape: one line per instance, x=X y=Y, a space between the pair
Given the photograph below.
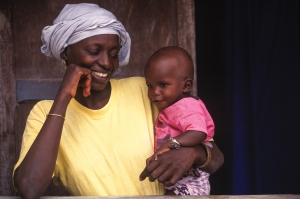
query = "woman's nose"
x=104 y=60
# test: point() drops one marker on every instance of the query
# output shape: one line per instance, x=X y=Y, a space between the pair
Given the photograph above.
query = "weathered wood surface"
x=37 y=89
x=169 y=197
x=7 y=99
x=186 y=31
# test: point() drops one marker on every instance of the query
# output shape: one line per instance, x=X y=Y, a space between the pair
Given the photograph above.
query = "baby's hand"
x=163 y=148
x=160 y=150
x=166 y=146
x=149 y=160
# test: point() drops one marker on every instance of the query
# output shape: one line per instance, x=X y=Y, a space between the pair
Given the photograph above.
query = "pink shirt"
x=186 y=114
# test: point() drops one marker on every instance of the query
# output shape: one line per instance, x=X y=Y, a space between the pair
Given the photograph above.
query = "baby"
x=183 y=119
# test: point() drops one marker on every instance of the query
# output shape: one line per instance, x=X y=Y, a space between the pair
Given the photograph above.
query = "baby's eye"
x=149 y=86
x=162 y=85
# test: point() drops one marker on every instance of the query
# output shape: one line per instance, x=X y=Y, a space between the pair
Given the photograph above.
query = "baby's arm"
x=186 y=139
x=166 y=146
x=190 y=138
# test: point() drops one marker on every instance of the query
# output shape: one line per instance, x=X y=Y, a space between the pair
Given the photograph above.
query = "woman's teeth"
x=100 y=74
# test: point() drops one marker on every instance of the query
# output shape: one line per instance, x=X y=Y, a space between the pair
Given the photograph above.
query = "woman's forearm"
x=35 y=172
x=216 y=161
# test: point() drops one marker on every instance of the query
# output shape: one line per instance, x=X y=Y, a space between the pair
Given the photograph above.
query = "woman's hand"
x=74 y=77
x=172 y=165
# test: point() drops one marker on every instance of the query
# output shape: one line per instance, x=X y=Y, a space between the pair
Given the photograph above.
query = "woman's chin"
x=99 y=87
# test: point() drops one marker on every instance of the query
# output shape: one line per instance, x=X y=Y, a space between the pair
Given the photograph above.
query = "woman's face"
x=99 y=54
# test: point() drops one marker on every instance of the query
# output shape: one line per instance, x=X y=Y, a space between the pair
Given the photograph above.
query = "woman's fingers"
x=170 y=166
x=87 y=85
x=172 y=179
x=149 y=169
x=163 y=170
x=76 y=76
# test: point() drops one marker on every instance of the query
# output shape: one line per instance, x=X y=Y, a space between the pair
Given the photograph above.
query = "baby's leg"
x=169 y=192
x=192 y=185
x=181 y=190
x=199 y=185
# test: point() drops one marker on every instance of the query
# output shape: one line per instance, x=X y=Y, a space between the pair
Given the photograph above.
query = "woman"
x=94 y=137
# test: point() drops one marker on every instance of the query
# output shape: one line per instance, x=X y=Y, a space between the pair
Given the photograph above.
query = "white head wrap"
x=79 y=21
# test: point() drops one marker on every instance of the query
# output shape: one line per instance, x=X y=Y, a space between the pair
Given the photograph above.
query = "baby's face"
x=164 y=86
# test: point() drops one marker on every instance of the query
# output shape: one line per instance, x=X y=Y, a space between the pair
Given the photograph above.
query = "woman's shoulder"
x=131 y=86
x=135 y=79
x=43 y=105
x=40 y=109
x=131 y=81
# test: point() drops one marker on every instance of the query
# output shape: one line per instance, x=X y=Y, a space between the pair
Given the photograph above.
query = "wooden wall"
x=7 y=99
x=151 y=24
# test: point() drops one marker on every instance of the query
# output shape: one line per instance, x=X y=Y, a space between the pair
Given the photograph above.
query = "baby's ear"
x=188 y=84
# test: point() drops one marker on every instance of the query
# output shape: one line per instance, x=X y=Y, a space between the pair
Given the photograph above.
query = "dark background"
x=248 y=77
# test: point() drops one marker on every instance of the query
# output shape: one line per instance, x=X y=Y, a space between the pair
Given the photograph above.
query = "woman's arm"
x=172 y=165
x=34 y=174
x=216 y=161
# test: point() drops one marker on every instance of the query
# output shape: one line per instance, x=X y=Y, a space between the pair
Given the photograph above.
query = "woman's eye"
x=114 y=55
x=93 y=52
x=149 y=86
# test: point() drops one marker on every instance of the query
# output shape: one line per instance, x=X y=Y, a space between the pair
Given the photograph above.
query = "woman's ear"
x=188 y=84
x=64 y=55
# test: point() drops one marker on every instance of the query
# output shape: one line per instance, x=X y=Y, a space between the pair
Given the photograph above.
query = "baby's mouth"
x=156 y=100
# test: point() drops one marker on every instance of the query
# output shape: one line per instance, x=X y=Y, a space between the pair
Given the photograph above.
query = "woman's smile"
x=95 y=73
x=100 y=77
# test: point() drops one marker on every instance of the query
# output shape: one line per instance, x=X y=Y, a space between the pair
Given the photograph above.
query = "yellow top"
x=102 y=152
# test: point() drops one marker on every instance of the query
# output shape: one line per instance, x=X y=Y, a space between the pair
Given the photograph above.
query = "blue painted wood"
x=36 y=90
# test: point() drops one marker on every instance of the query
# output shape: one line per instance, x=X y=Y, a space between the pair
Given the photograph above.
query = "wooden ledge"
x=280 y=196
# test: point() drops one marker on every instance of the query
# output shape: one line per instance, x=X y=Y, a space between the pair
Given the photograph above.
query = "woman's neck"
x=97 y=99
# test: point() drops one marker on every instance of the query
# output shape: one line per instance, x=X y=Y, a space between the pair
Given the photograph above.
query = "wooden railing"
x=285 y=196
